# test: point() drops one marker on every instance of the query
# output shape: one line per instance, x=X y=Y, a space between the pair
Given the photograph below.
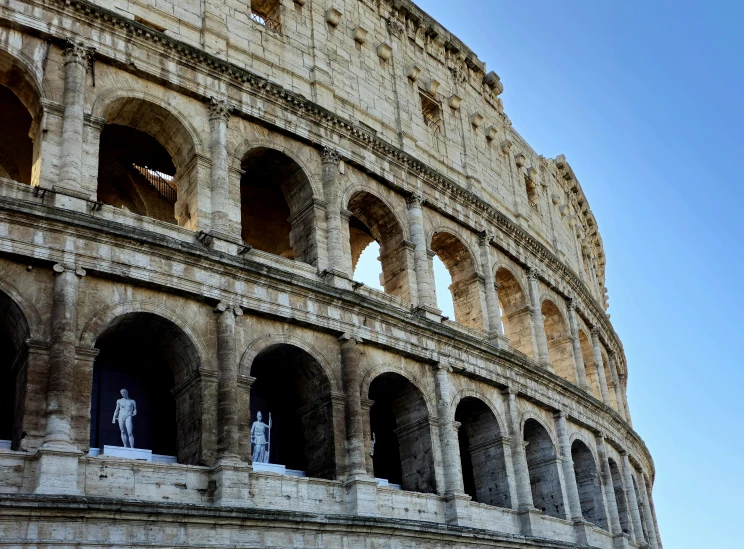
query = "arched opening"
x=145 y=163
x=20 y=116
x=588 y=483
x=620 y=496
x=482 y=454
x=371 y=221
x=590 y=367
x=466 y=285
x=150 y=356
x=293 y=392
x=560 y=347
x=641 y=510
x=399 y=421
x=610 y=380
x=14 y=332
x=542 y=464
x=276 y=206
x=515 y=313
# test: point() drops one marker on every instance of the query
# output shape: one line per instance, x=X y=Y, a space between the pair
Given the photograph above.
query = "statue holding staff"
x=260 y=438
x=126 y=409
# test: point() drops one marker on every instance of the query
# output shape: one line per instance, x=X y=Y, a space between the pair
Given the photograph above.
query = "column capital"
x=329 y=155
x=485 y=237
x=595 y=331
x=349 y=337
x=219 y=109
x=533 y=273
x=223 y=307
x=570 y=304
x=414 y=200
x=560 y=414
x=77 y=52
x=60 y=268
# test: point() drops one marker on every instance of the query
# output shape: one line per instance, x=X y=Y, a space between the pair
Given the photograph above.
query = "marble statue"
x=260 y=438
x=126 y=409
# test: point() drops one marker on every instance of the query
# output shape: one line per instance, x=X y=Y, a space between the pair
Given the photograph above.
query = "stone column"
x=543 y=357
x=635 y=514
x=425 y=299
x=578 y=355
x=569 y=474
x=609 y=487
x=493 y=326
x=58 y=456
x=227 y=399
x=77 y=59
x=624 y=395
x=601 y=377
x=336 y=264
x=361 y=488
x=350 y=369
x=648 y=514
x=219 y=113
x=618 y=388
x=529 y=516
x=457 y=507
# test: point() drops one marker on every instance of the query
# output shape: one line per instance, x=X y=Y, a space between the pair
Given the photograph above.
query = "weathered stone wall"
x=370 y=122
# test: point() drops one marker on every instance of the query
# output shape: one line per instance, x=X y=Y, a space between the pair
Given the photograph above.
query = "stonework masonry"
x=186 y=188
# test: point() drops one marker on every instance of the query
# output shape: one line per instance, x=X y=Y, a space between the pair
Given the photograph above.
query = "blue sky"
x=646 y=102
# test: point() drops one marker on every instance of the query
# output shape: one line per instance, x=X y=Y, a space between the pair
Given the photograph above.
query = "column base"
x=582 y=531
x=457 y=509
x=428 y=312
x=500 y=341
x=337 y=279
x=232 y=482
x=224 y=241
x=621 y=541
x=57 y=471
x=70 y=199
x=361 y=495
x=529 y=521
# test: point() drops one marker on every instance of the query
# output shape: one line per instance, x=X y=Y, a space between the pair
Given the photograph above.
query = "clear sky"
x=645 y=99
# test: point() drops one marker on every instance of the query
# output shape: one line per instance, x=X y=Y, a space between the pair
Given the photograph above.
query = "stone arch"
x=95 y=326
x=588 y=483
x=560 y=343
x=372 y=219
x=290 y=384
x=147 y=157
x=14 y=334
x=380 y=369
x=401 y=426
x=515 y=310
x=621 y=495
x=542 y=464
x=163 y=374
x=484 y=471
x=31 y=315
x=467 y=282
x=260 y=343
x=590 y=366
x=608 y=377
x=21 y=96
x=278 y=204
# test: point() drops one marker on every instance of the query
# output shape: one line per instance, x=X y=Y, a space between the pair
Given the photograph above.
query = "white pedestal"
x=278 y=469
x=5 y=444
x=384 y=482
x=129 y=453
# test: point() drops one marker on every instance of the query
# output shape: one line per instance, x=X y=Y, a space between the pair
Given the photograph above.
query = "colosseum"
x=186 y=188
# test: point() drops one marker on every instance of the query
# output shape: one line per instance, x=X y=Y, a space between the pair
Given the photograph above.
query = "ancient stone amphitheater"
x=186 y=187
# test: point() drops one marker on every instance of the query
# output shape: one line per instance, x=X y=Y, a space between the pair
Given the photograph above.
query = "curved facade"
x=185 y=191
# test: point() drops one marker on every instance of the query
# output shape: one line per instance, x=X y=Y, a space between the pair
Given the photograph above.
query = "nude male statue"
x=126 y=409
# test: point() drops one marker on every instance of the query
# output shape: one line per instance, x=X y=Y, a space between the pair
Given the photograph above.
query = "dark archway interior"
x=587 y=481
x=400 y=423
x=145 y=354
x=620 y=495
x=482 y=453
x=14 y=332
x=292 y=387
x=16 y=147
x=136 y=172
x=273 y=188
x=543 y=468
x=514 y=312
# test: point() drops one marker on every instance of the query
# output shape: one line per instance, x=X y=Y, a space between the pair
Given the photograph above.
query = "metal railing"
x=162 y=183
x=434 y=124
x=268 y=22
x=533 y=204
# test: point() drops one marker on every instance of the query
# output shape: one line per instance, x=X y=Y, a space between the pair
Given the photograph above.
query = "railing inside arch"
x=163 y=183
x=267 y=22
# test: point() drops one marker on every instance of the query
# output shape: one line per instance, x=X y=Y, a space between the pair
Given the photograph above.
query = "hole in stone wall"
x=560 y=346
x=620 y=496
x=13 y=362
x=267 y=13
x=16 y=147
x=399 y=420
x=136 y=173
x=292 y=387
x=542 y=464
x=588 y=483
